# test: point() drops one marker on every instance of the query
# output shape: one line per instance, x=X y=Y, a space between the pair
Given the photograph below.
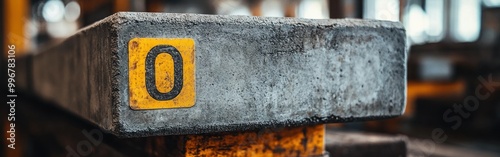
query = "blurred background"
x=454 y=54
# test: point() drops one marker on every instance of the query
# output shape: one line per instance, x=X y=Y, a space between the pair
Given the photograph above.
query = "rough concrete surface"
x=251 y=72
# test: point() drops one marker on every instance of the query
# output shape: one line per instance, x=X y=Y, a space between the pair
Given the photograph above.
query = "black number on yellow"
x=150 y=72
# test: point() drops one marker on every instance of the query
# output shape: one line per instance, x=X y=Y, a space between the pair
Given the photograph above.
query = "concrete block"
x=248 y=72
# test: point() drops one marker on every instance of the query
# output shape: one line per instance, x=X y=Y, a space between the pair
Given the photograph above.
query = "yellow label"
x=161 y=73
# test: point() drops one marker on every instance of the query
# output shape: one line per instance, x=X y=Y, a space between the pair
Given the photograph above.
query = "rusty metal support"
x=298 y=141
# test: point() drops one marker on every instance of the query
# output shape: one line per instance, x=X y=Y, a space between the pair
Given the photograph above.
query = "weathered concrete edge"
x=122 y=18
x=114 y=22
x=112 y=25
x=246 y=127
x=119 y=19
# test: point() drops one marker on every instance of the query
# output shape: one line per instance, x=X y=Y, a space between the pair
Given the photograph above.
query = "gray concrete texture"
x=251 y=72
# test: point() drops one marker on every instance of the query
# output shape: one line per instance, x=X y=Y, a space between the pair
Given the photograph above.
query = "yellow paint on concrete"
x=164 y=73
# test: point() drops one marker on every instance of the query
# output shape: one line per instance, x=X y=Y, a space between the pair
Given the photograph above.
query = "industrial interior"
x=452 y=78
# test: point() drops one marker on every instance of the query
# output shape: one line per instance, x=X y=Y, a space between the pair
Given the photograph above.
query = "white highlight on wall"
x=53 y=11
x=313 y=9
x=492 y=3
x=273 y=8
x=435 y=14
x=465 y=20
x=381 y=9
x=72 y=11
x=416 y=23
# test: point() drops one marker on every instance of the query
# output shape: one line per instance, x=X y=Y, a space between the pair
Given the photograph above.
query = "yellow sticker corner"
x=161 y=73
